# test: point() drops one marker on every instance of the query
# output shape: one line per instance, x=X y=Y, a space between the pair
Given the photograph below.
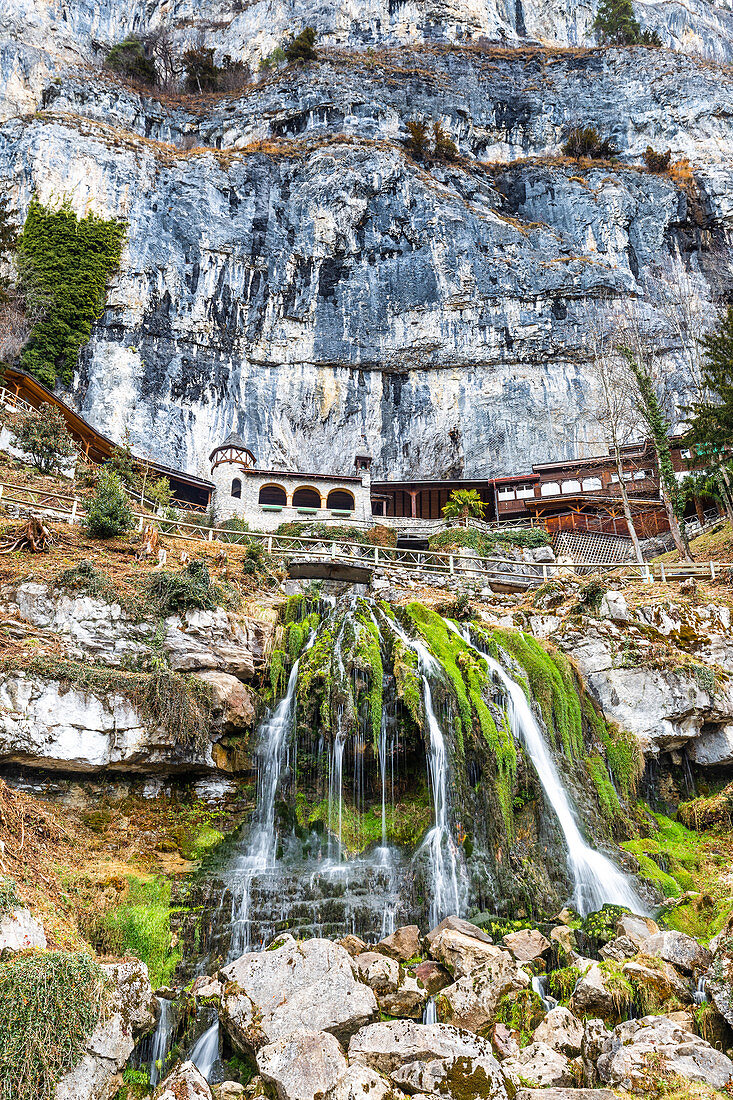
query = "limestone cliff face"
x=296 y=276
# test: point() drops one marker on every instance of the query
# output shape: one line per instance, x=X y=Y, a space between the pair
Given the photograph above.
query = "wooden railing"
x=64 y=507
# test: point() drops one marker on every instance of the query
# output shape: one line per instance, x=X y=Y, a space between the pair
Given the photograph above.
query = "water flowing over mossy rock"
x=270 y=994
x=474 y=1001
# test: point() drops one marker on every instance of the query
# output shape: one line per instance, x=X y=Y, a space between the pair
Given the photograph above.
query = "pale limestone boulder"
x=526 y=945
x=636 y=929
x=619 y=949
x=402 y=945
x=540 y=1064
x=472 y=1001
x=311 y=986
x=380 y=973
x=362 y=1083
x=236 y=702
x=625 y=1061
x=206 y=988
x=303 y=1065
x=457 y=924
x=565 y=1094
x=562 y=1031
x=591 y=996
x=185 y=1083
x=679 y=949
x=461 y=954
x=20 y=931
x=595 y=1035
x=354 y=945
x=662 y=980
x=402 y=1044
x=408 y=1000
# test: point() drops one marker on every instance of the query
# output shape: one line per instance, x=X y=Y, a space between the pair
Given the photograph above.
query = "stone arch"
x=341 y=499
x=237 y=488
x=273 y=494
x=305 y=496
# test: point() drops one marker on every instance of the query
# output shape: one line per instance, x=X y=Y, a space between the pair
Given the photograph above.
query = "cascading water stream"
x=205 y=1050
x=597 y=880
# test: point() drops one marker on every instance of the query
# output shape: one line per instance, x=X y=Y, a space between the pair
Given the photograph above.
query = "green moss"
x=50 y=1003
x=605 y=790
x=368 y=658
x=140 y=926
x=522 y=1011
x=406 y=822
x=669 y=857
x=65 y=263
x=278 y=672
x=297 y=634
x=484 y=543
x=618 y=986
x=562 y=982
x=8 y=896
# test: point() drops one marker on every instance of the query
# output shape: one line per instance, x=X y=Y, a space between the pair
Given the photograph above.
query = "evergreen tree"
x=42 y=435
x=616 y=25
x=417 y=128
x=8 y=241
x=130 y=59
x=108 y=513
x=302 y=47
x=711 y=427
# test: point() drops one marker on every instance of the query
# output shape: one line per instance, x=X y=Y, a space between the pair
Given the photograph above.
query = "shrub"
x=445 y=147
x=8 y=897
x=50 y=1003
x=657 y=162
x=616 y=25
x=417 y=142
x=130 y=59
x=108 y=513
x=64 y=262
x=302 y=47
x=190 y=589
x=277 y=57
x=463 y=503
x=585 y=141
x=204 y=75
x=140 y=926
x=42 y=435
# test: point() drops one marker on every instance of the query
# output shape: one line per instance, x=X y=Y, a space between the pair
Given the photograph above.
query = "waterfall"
x=261 y=851
x=161 y=1040
x=539 y=986
x=699 y=994
x=430 y=1014
x=597 y=880
x=205 y=1050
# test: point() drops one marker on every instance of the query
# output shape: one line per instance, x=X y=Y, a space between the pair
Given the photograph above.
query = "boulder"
x=461 y=954
x=228 y=1090
x=505 y=1041
x=432 y=976
x=562 y=1031
x=236 y=702
x=205 y=988
x=20 y=931
x=408 y=1000
x=379 y=972
x=312 y=985
x=457 y=924
x=472 y=1001
x=302 y=1065
x=638 y=1050
x=592 y=997
x=594 y=1040
x=402 y=945
x=565 y=1094
x=526 y=945
x=541 y=1065
x=655 y=981
x=354 y=945
x=424 y=1052
x=619 y=949
x=185 y=1083
x=680 y=950
x=565 y=938
x=636 y=929
x=130 y=1013
x=362 y=1083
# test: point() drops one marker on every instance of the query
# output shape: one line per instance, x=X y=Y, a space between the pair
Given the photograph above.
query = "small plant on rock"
x=108 y=514
x=42 y=435
x=445 y=147
x=418 y=139
x=302 y=46
x=585 y=141
x=657 y=162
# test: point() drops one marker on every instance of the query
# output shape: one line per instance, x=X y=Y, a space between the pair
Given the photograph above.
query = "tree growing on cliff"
x=43 y=436
x=418 y=138
x=711 y=424
x=302 y=46
x=130 y=59
x=616 y=24
x=463 y=503
x=108 y=513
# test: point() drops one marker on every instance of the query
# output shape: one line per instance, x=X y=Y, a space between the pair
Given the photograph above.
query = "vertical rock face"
x=298 y=277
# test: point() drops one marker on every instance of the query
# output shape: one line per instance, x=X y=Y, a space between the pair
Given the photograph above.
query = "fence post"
x=210 y=536
x=544 y=572
x=72 y=517
x=376 y=555
x=269 y=544
x=712 y=570
x=140 y=523
x=451 y=570
x=333 y=549
x=661 y=570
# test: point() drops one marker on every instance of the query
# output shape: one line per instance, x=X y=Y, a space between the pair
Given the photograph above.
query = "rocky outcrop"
x=312 y=985
x=639 y=1048
x=302 y=1065
x=185 y=1083
x=20 y=931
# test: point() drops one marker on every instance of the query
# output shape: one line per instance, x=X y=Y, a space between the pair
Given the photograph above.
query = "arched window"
x=306 y=498
x=237 y=488
x=340 y=499
x=273 y=494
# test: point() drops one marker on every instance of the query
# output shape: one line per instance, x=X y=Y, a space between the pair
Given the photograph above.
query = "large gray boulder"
x=636 y=929
x=462 y=954
x=541 y=1065
x=593 y=997
x=638 y=1049
x=185 y=1083
x=472 y=1001
x=380 y=973
x=303 y=1065
x=457 y=924
x=403 y=944
x=311 y=986
x=416 y=1056
x=679 y=949
x=19 y=931
x=565 y=1094
x=130 y=1014
x=526 y=945
x=362 y=1083
x=562 y=1031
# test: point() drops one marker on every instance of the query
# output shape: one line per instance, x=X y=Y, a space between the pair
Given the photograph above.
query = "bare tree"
x=614 y=408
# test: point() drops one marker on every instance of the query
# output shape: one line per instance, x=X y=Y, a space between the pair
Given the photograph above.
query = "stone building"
x=267 y=498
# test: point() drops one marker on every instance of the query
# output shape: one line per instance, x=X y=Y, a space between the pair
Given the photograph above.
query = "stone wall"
x=269 y=517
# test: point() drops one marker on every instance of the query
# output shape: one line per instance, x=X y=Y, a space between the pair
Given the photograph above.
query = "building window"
x=273 y=494
x=341 y=500
x=641 y=475
x=592 y=484
x=525 y=492
x=685 y=454
x=550 y=489
x=506 y=494
x=237 y=488
x=571 y=486
x=306 y=498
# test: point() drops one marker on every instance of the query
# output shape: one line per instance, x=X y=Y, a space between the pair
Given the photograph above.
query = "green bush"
x=585 y=141
x=108 y=513
x=204 y=75
x=130 y=59
x=139 y=926
x=64 y=263
x=190 y=589
x=302 y=47
x=42 y=435
x=616 y=25
x=50 y=1003
x=418 y=139
x=8 y=897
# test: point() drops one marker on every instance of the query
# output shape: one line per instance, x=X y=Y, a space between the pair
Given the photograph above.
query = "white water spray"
x=597 y=880
x=161 y=1040
x=206 y=1050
